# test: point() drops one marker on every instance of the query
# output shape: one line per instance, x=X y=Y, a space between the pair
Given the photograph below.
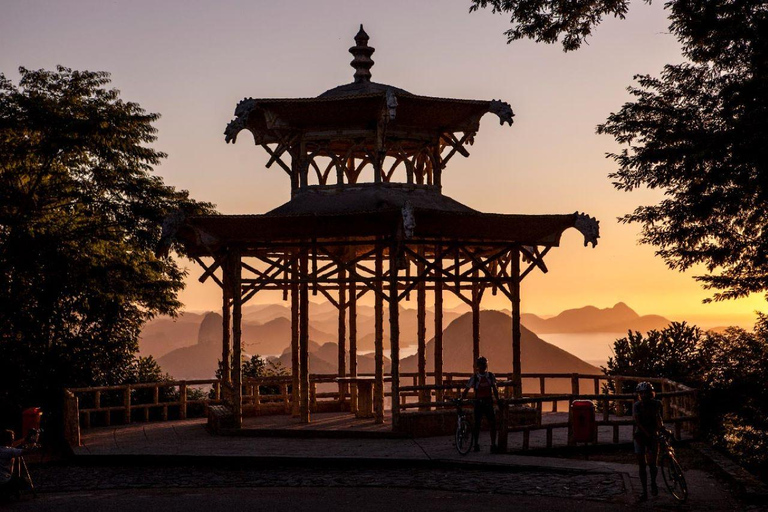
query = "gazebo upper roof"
x=361 y=108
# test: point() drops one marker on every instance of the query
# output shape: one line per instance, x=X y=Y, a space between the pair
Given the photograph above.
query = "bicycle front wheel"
x=674 y=479
x=463 y=437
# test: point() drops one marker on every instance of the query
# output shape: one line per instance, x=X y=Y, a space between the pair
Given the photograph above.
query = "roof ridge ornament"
x=588 y=226
x=362 y=53
x=503 y=110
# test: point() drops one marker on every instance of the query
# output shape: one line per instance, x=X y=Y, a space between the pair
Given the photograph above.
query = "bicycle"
x=671 y=472
x=465 y=436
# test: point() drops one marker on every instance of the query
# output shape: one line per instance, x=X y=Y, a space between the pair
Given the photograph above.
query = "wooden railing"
x=613 y=402
x=106 y=405
x=161 y=401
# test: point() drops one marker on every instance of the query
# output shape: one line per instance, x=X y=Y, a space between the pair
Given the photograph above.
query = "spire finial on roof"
x=362 y=53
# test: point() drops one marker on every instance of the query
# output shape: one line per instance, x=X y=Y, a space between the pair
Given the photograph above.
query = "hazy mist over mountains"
x=189 y=347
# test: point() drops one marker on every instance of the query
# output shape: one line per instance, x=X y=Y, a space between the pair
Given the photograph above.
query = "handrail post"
x=71 y=418
x=574 y=384
x=286 y=398
x=504 y=430
x=127 y=403
x=183 y=400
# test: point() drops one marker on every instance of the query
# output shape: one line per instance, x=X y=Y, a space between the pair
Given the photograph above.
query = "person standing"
x=485 y=389
x=647 y=414
x=9 y=452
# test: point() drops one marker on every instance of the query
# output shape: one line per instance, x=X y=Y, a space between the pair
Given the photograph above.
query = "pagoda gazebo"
x=367 y=215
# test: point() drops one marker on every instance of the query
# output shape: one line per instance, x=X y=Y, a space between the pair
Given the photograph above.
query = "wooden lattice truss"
x=342 y=160
x=344 y=272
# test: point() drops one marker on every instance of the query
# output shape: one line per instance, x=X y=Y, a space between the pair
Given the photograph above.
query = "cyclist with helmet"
x=483 y=383
x=647 y=413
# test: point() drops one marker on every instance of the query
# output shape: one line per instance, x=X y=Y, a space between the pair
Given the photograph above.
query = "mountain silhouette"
x=164 y=334
x=200 y=361
x=273 y=336
x=536 y=355
x=325 y=359
x=496 y=344
x=190 y=345
x=619 y=318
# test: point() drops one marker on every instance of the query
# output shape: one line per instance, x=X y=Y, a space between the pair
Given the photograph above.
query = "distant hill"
x=619 y=318
x=164 y=334
x=200 y=360
x=325 y=359
x=190 y=346
x=273 y=336
x=496 y=344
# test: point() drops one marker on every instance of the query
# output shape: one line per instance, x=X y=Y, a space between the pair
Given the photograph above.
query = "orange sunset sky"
x=193 y=61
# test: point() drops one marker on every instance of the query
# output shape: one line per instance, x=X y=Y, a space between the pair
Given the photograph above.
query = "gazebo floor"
x=322 y=425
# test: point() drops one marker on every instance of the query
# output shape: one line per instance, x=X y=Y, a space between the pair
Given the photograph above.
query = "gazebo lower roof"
x=209 y=233
x=363 y=213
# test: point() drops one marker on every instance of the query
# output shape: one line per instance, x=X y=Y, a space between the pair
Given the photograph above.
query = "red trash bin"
x=30 y=418
x=583 y=426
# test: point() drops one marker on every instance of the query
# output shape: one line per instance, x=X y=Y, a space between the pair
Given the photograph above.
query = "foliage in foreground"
x=729 y=369
x=80 y=218
x=696 y=132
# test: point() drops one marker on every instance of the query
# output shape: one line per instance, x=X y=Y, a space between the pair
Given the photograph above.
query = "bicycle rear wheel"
x=463 y=437
x=674 y=479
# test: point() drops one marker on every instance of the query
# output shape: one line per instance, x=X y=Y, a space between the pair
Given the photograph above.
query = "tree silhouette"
x=80 y=218
x=698 y=132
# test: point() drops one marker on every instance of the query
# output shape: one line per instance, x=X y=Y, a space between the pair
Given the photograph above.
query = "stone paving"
x=182 y=454
x=68 y=478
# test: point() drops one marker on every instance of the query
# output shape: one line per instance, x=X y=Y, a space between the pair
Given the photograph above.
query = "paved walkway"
x=183 y=454
x=189 y=437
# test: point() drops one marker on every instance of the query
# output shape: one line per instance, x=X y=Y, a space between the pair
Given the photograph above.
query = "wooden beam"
x=209 y=271
x=226 y=326
x=295 y=364
x=378 y=385
x=438 y=324
x=421 y=329
x=304 y=340
x=353 y=336
x=342 y=369
x=394 y=336
x=517 y=380
x=237 y=345
x=475 y=321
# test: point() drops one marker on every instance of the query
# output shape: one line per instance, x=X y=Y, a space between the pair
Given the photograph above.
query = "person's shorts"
x=644 y=445
x=484 y=407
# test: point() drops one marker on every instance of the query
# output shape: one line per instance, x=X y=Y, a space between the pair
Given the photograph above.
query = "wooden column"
x=421 y=329
x=295 y=366
x=303 y=163
x=437 y=171
x=226 y=325
x=516 y=335
x=342 y=333
x=304 y=339
x=378 y=385
x=237 y=346
x=439 y=321
x=353 y=336
x=475 y=319
x=394 y=335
